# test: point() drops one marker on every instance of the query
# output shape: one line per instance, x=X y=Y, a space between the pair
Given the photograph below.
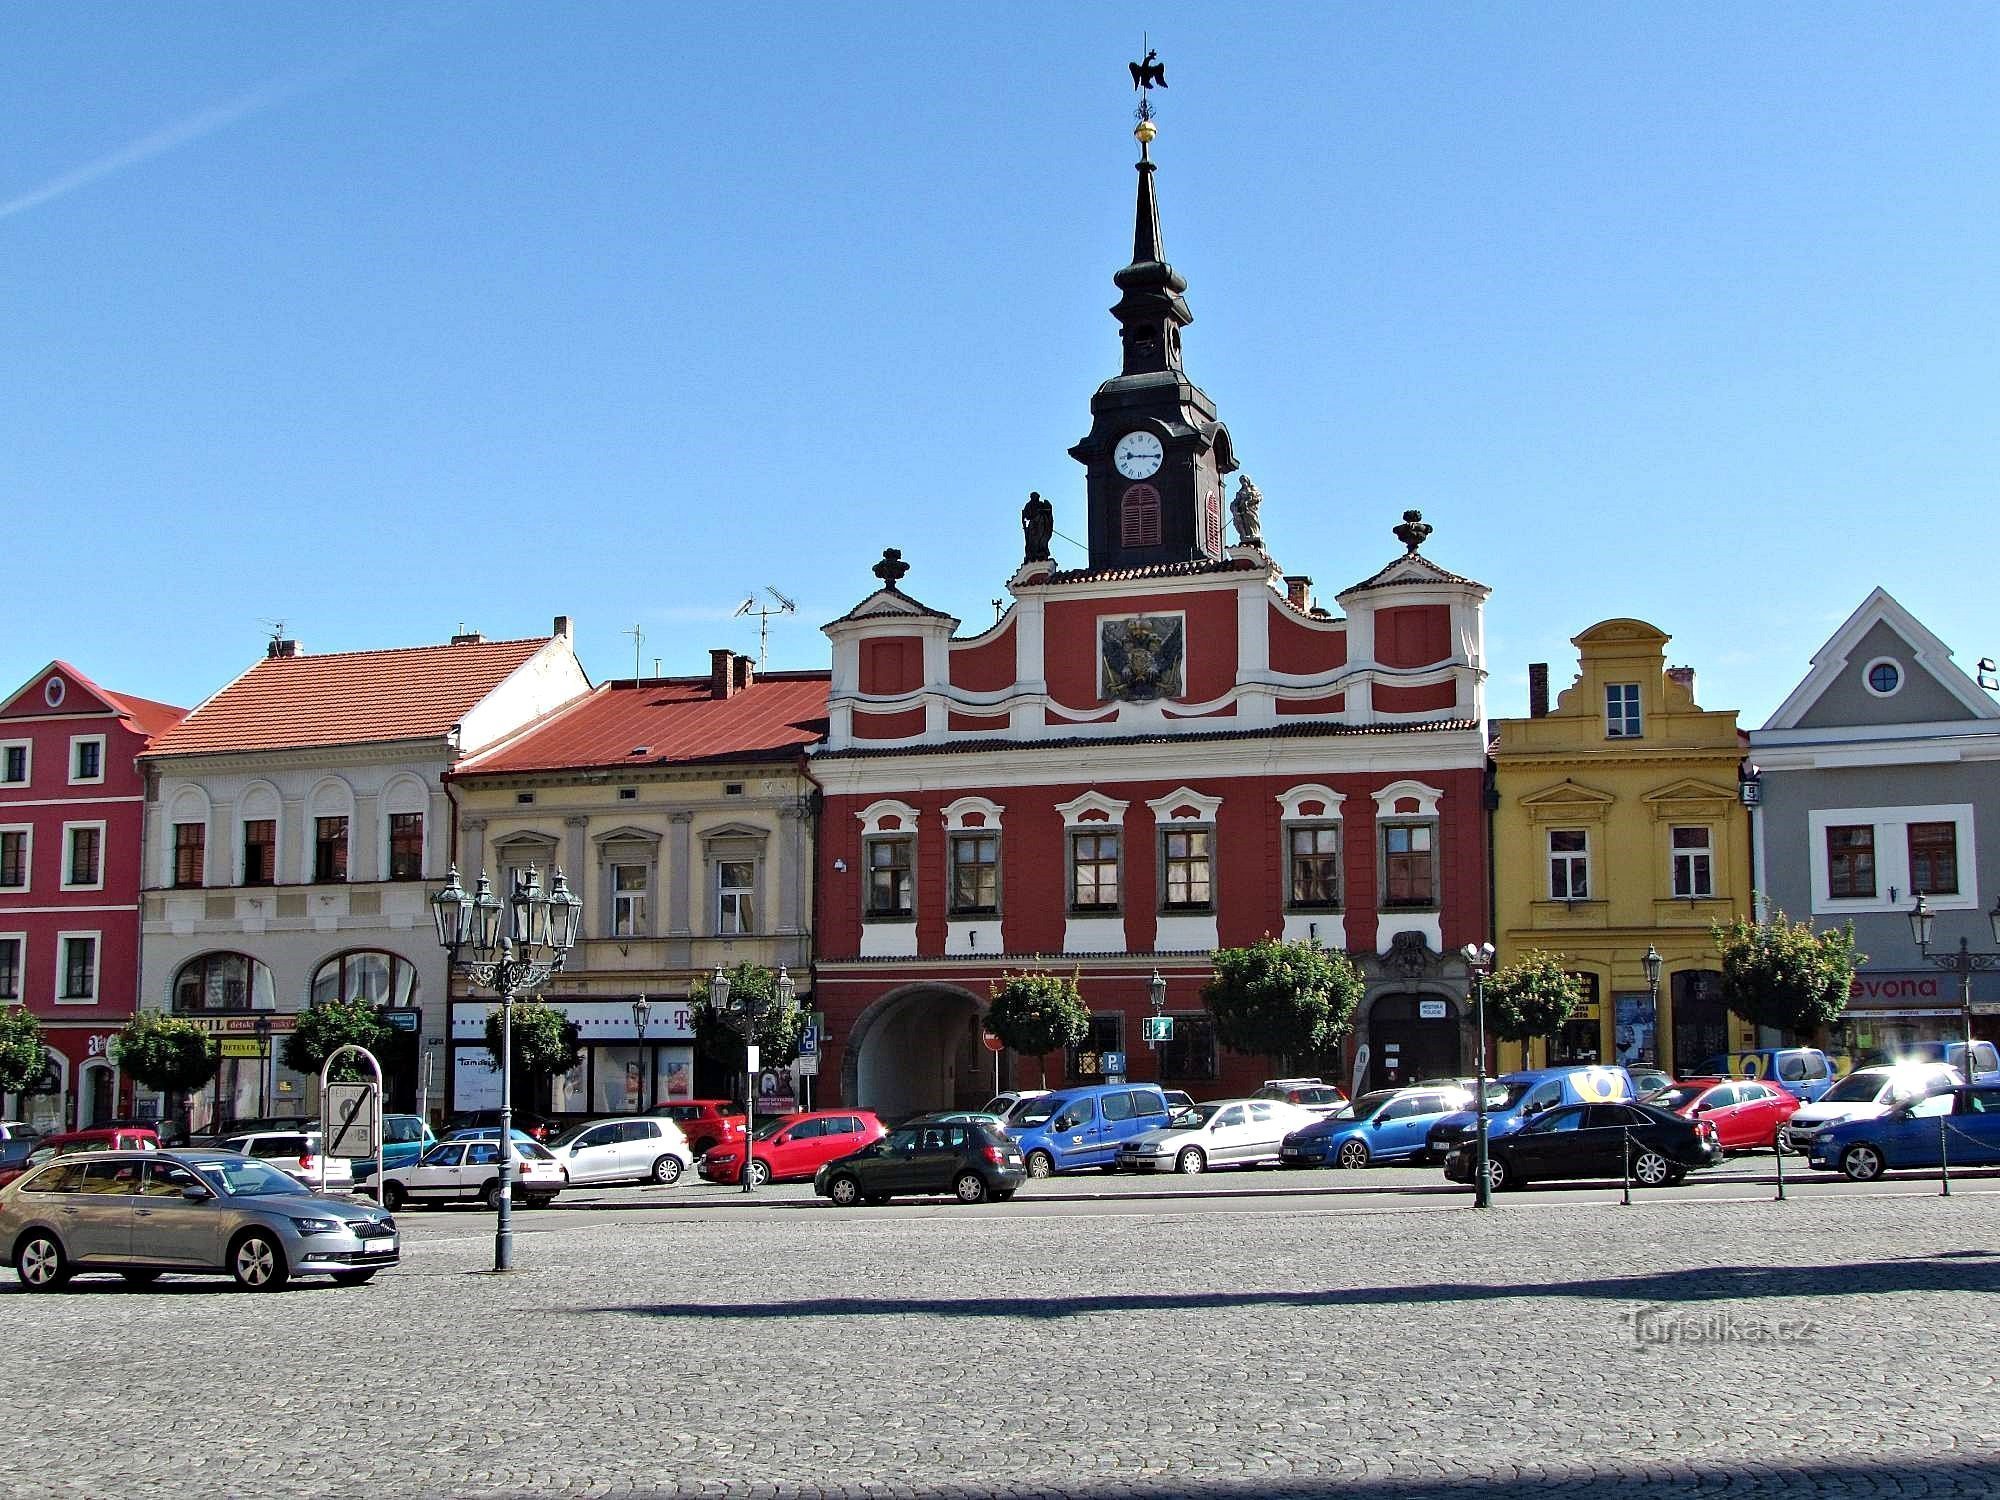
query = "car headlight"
x=319 y=1226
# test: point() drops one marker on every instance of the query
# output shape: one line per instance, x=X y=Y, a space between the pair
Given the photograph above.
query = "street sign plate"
x=401 y=1020
x=350 y=1120
x=1432 y=1010
x=1112 y=1062
x=1158 y=1028
x=806 y=1065
x=809 y=1041
x=993 y=1043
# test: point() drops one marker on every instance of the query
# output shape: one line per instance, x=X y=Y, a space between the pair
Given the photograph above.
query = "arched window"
x=223 y=981
x=367 y=975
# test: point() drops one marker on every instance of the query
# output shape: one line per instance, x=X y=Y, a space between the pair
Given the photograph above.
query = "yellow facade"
x=1618 y=828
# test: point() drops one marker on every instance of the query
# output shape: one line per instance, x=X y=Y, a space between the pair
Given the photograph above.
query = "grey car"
x=200 y=1211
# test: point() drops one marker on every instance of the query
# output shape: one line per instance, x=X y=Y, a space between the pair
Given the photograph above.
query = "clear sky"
x=377 y=319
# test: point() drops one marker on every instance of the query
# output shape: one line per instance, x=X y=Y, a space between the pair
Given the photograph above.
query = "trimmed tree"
x=720 y=1031
x=1290 y=1001
x=545 y=1041
x=170 y=1054
x=1036 y=1014
x=1531 y=997
x=324 y=1029
x=22 y=1053
x=1787 y=974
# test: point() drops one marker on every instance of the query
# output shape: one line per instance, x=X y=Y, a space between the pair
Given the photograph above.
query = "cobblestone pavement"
x=1553 y=1346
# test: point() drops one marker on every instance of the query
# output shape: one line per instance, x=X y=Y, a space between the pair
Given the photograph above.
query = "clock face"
x=1138 y=455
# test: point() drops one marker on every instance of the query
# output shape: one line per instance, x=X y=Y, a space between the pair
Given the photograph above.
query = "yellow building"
x=1618 y=829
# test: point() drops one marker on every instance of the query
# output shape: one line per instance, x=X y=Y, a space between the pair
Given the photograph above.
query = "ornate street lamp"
x=1479 y=962
x=642 y=1012
x=509 y=957
x=1964 y=963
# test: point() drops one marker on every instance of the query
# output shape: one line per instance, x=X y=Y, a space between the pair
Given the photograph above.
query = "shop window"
x=1580 y=1039
x=223 y=981
x=368 y=976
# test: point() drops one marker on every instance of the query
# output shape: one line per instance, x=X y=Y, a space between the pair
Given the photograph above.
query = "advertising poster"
x=475 y=1084
x=676 y=1075
x=1634 y=1037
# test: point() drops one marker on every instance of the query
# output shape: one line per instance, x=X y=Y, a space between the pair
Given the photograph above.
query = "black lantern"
x=565 y=914
x=528 y=913
x=452 y=909
x=1923 y=923
x=641 y=1013
x=1652 y=962
x=785 y=988
x=484 y=938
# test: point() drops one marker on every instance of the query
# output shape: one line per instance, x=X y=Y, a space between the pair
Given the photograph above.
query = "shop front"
x=1890 y=1010
x=623 y=1070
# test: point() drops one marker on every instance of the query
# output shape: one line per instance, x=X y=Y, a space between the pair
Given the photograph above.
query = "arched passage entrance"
x=1412 y=1036
x=918 y=1049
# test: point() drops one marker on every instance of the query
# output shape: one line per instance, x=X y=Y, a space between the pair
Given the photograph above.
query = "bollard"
x=1778 y=1150
x=1628 y=1166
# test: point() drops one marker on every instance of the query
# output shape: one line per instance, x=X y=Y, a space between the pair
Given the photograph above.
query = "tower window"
x=1139 y=517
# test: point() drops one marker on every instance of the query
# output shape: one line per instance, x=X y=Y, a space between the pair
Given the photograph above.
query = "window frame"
x=906 y=838
x=16 y=992
x=1624 y=717
x=271 y=854
x=1095 y=831
x=26 y=832
x=743 y=894
x=392 y=870
x=631 y=909
x=64 y=993
x=69 y=881
x=1383 y=829
x=252 y=967
x=1172 y=1053
x=1190 y=829
x=341 y=850
x=77 y=742
x=27 y=749
x=176 y=849
x=1102 y=1022
x=1697 y=859
x=1314 y=827
x=1832 y=886
x=1910 y=850
x=1568 y=862
x=954 y=839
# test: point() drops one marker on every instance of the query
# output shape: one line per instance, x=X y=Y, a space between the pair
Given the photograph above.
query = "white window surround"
x=1892 y=857
x=1868 y=676
x=1171 y=808
x=188 y=804
x=1426 y=798
x=102 y=854
x=27 y=749
x=969 y=932
x=1293 y=803
x=957 y=815
x=27 y=832
x=76 y=740
x=96 y=940
x=1092 y=810
x=877 y=817
x=405 y=794
x=20 y=941
x=1570 y=859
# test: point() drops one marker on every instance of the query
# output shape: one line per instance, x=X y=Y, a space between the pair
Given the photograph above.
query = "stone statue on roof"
x=1243 y=512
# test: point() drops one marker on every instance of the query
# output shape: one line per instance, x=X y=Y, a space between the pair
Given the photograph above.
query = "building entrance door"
x=921 y=1052
x=1405 y=1045
x=1701 y=1020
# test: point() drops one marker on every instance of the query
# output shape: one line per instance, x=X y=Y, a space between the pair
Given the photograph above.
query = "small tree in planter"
x=718 y=1030
x=170 y=1054
x=1786 y=974
x=1531 y=998
x=1036 y=1014
x=324 y=1029
x=1290 y=1001
x=545 y=1041
x=22 y=1053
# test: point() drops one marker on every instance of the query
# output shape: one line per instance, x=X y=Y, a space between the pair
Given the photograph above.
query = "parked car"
x=538 y=1127
x=14 y=1130
x=465 y=1171
x=1387 y=1125
x=794 y=1147
x=1227 y=1133
x=258 y=1125
x=1004 y=1105
x=170 y=1132
x=1864 y=1094
x=1516 y=1098
x=299 y=1156
x=76 y=1142
x=404 y=1139
x=1594 y=1140
x=1908 y=1135
x=958 y=1117
x=1747 y=1113
x=969 y=1159
x=143 y=1213
x=706 y=1123
x=486 y=1133
x=13 y=1153
x=1084 y=1127
x=1315 y=1094
x=1985 y=1067
x=639 y=1149
x=1805 y=1071
x=1647 y=1082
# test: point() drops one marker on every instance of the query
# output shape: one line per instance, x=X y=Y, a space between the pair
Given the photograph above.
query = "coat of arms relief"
x=1142 y=657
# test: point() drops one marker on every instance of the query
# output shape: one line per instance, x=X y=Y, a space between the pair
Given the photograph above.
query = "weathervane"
x=1144 y=76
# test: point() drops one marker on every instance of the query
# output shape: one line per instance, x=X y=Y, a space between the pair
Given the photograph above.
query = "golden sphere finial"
x=1146 y=132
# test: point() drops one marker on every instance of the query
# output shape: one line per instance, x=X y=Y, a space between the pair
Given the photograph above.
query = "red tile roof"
x=148 y=717
x=348 y=698
x=671 y=720
x=143 y=714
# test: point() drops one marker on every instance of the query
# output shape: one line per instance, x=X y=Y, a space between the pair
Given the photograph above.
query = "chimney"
x=1685 y=677
x=281 y=647
x=1538 y=690
x=468 y=638
x=745 y=672
x=721 y=677
x=561 y=630
x=1298 y=591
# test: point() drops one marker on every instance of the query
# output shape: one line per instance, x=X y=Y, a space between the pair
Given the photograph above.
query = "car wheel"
x=1041 y=1164
x=353 y=1278
x=1650 y=1169
x=1353 y=1155
x=1861 y=1163
x=1191 y=1162
x=667 y=1170
x=40 y=1263
x=970 y=1188
x=258 y=1263
x=490 y=1194
x=393 y=1197
x=760 y=1172
x=844 y=1191
x=1497 y=1174
x=141 y=1276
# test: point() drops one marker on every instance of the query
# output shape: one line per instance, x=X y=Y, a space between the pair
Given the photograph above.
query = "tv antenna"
x=765 y=613
x=638 y=640
x=276 y=627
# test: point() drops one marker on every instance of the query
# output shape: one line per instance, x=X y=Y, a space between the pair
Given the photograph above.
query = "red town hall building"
x=1170 y=750
x=72 y=811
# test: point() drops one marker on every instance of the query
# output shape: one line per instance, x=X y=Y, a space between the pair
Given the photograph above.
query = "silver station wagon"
x=141 y=1214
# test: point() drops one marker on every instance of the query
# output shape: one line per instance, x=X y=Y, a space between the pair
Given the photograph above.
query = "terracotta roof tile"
x=348 y=698
x=1188 y=569
x=664 y=721
x=1300 y=729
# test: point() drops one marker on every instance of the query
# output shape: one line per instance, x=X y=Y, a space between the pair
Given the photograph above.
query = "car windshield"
x=1855 y=1088
x=533 y=1151
x=1679 y=1094
x=1194 y=1117
x=1033 y=1112
x=771 y=1127
x=1506 y=1095
x=1370 y=1105
x=400 y=1130
x=564 y=1137
x=249 y=1177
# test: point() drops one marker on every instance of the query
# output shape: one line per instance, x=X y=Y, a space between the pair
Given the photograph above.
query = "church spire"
x=1152 y=313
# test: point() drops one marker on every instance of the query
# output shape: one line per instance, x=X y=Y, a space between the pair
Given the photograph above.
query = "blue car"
x=1983 y=1069
x=1388 y=1125
x=1516 y=1098
x=1908 y=1135
x=1077 y=1128
x=1805 y=1072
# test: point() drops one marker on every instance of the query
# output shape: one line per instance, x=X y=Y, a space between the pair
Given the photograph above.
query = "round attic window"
x=54 y=691
x=1883 y=677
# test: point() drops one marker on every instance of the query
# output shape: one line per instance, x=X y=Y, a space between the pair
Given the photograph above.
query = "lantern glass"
x=1156 y=991
x=786 y=988
x=452 y=909
x=527 y=912
x=485 y=925
x=718 y=989
x=1653 y=963
x=565 y=915
x=1922 y=922
x=641 y=1013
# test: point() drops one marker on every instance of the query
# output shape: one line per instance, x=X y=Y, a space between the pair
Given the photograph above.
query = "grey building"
x=1878 y=778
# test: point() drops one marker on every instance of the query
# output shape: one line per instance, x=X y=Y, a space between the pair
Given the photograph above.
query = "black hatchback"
x=969 y=1160
x=1594 y=1140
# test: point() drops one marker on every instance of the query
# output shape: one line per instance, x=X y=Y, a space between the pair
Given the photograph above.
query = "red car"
x=707 y=1123
x=123 y=1138
x=1746 y=1113
x=793 y=1147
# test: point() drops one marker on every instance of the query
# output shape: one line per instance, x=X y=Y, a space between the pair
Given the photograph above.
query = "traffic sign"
x=809 y=1041
x=1156 y=1029
x=993 y=1043
x=350 y=1120
x=1111 y=1062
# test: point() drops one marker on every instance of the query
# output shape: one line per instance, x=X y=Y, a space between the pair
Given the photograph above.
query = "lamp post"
x=784 y=990
x=1964 y=963
x=262 y=1026
x=641 y=1012
x=521 y=953
x=1479 y=960
x=1653 y=963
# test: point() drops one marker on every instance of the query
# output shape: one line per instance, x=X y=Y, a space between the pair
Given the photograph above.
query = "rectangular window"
x=1621 y=711
x=1569 y=864
x=1085 y=1061
x=1934 y=859
x=1191 y=1053
x=260 y=851
x=14 y=763
x=406 y=846
x=1409 y=865
x=1694 y=862
x=628 y=901
x=1185 y=862
x=87 y=758
x=14 y=859
x=83 y=859
x=889 y=886
x=975 y=874
x=79 y=968
x=329 y=849
x=736 y=895
x=1093 y=878
x=10 y=968
x=1315 y=860
x=190 y=851
x=1850 y=860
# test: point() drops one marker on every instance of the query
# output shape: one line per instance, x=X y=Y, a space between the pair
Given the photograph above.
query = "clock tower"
x=1155 y=454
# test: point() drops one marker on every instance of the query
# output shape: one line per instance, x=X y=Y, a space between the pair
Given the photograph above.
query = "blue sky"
x=378 y=319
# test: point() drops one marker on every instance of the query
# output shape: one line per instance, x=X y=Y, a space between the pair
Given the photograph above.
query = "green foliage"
x=169 y=1053
x=1785 y=974
x=1282 y=1000
x=325 y=1028
x=1035 y=1014
x=719 y=1033
x=1531 y=997
x=545 y=1041
x=22 y=1055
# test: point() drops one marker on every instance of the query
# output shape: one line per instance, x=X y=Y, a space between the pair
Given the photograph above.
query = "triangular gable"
x=1568 y=795
x=891 y=603
x=1842 y=656
x=1691 y=789
x=70 y=690
x=1412 y=567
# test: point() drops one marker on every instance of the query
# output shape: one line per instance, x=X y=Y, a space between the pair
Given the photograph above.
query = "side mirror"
x=195 y=1194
